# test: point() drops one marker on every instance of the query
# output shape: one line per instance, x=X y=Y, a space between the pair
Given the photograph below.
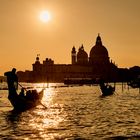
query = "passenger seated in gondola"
x=32 y=95
x=111 y=88
x=21 y=94
x=29 y=95
x=35 y=94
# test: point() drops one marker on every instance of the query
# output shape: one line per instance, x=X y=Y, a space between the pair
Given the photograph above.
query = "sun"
x=45 y=16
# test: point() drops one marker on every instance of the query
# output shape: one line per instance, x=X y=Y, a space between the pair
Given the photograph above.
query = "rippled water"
x=74 y=113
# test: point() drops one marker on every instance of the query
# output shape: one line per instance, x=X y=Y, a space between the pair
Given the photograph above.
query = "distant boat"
x=135 y=83
x=106 y=89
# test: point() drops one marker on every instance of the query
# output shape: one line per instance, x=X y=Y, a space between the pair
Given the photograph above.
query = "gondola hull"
x=22 y=103
x=107 y=90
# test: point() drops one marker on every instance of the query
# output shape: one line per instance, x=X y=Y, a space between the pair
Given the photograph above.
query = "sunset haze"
x=73 y=22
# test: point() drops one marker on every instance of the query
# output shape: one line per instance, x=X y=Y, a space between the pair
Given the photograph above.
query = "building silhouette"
x=96 y=65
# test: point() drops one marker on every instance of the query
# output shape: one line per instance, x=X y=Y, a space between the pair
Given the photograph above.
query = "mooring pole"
x=122 y=86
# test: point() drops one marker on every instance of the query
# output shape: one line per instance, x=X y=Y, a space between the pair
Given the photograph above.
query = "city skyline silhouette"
x=23 y=35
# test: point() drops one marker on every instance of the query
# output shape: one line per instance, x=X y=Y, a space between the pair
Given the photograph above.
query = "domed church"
x=98 y=54
x=98 y=60
x=95 y=65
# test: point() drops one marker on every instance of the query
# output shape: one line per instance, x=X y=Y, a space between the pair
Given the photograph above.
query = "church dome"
x=98 y=52
x=82 y=56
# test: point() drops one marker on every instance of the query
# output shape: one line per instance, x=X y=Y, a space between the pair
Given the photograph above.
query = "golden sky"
x=73 y=22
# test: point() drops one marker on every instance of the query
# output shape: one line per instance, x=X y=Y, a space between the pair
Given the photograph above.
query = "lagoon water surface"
x=74 y=113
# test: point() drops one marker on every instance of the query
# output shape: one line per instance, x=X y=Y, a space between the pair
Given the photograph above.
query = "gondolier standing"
x=12 y=81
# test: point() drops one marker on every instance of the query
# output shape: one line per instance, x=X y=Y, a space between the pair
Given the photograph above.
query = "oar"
x=26 y=90
x=43 y=105
x=22 y=86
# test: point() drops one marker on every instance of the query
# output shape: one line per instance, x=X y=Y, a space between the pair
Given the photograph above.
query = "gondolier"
x=12 y=81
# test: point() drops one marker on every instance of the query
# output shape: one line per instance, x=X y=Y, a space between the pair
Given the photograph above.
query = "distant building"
x=96 y=65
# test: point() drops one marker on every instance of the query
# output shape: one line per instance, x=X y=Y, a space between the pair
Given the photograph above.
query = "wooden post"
x=122 y=86
x=128 y=87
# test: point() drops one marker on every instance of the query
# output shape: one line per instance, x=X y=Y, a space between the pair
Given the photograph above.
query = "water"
x=74 y=113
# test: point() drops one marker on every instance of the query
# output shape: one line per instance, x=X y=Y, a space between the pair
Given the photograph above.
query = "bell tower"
x=73 y=55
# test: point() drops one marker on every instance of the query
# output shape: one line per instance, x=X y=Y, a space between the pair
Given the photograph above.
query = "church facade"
x=95 y=65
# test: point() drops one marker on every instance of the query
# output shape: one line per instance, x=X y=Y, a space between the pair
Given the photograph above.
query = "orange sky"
x=73 y=22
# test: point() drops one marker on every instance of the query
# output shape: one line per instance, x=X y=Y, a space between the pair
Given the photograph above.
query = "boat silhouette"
x=106 y=89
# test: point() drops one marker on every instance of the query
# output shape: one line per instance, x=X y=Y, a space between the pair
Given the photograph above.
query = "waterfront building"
x=96 y=65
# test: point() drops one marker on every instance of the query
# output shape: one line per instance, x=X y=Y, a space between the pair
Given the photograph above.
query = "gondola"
x=106 y=89
x=135 y=83
x=22 y=101
x=31 y=99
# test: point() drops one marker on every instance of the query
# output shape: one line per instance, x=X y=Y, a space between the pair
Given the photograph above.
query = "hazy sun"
x=45 y=16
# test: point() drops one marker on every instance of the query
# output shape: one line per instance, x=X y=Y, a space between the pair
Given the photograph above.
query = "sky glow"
x=25 y=31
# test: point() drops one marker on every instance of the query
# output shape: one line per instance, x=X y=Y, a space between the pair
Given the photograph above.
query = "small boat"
x=135 y=83
x=22 y=103
x=106 y=89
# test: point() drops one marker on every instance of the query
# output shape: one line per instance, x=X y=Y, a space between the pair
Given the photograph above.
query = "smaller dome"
x=82 y=53
x=82 y=56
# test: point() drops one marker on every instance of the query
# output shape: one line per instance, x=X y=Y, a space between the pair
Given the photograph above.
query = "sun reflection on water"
x=47 y=119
